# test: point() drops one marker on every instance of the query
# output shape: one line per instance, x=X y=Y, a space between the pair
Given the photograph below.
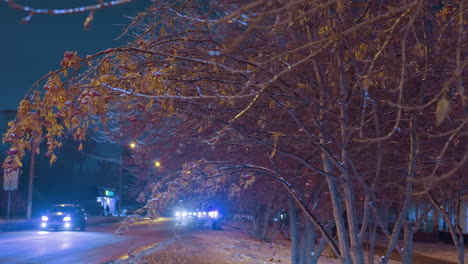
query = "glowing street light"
x=132 y=145
x=157 y=164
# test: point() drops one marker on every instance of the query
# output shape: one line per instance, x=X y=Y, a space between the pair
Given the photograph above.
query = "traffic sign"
x=10 y=180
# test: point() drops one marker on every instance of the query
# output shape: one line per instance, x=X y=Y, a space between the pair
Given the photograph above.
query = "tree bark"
x=414 y=148
x=372 y=240
x=318 y=251
x=294 y=231
x=407 y=254
x=303 y=249
x=357 y=253
x=338 y=215
x=310 y=241
x=455 y=231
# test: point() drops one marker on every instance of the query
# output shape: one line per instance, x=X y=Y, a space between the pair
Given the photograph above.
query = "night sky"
x=28 y=52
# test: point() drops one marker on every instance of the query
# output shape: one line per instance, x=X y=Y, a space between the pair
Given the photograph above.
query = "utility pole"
x=119 y=205
x=10 y=183
x=31 y=181
x=9 y=204
x=132 y=145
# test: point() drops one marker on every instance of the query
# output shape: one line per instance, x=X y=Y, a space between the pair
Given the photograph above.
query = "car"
x=202 y=219
x=64 y=217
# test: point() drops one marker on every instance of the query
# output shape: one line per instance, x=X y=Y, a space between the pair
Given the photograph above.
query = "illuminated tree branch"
x=31 y=11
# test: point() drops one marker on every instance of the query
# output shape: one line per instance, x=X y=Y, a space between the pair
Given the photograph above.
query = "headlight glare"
x=45 y=218
x=67 y=219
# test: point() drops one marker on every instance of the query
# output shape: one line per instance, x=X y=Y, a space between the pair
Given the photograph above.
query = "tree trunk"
x=325 y=233
x=303 y=248
x=338 y=215
x=372 y=235
x=461 y=253
x=455 y=231
x=412 y=161
x=357 y=253
x=265 y=227
x=318 y=251
x=407 y=254
x=310 y=241
x=307 y=242
x=294 y=231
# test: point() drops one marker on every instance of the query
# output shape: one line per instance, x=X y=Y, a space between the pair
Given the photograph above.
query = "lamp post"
x=119 y=205
x=132 y=145
x=31 y=182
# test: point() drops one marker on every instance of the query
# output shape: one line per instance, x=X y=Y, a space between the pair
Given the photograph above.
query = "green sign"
x=109 y=193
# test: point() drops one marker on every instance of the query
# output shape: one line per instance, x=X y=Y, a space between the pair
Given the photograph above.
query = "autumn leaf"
x=361 y=52
x=18 y=161
x=366 y=83
x=272 y=105
x=323 y=30
x=276 y=136
x=442 y=110
x=53 y=158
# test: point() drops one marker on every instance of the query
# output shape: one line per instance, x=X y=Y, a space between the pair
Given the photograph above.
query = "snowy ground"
x=228 y=246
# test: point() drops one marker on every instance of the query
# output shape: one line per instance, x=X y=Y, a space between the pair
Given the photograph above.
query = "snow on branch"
x=65 y=11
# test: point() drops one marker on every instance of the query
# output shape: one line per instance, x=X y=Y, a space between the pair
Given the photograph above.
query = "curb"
x=145 y=251
x=18 y=225
x=24 y=224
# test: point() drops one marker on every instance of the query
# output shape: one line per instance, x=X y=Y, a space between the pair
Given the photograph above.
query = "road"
x=96 y=245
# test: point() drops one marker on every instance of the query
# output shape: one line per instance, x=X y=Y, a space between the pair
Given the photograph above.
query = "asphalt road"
x=98 y=244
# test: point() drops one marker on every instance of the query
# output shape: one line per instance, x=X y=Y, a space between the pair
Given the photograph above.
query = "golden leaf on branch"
x=366 y=83
x=442 y=110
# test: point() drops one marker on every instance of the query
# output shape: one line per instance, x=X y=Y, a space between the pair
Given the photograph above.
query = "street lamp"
x=132 y=145
x=157 y=164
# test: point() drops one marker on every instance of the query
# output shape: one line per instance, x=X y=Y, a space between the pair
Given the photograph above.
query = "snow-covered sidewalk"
x=437 y=253
x=233 y=246
x=441 y=251
x=228 y=246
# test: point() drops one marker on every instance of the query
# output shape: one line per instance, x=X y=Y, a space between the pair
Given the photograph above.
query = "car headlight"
x=213 y=214
x=67 y=219
x=45 y=218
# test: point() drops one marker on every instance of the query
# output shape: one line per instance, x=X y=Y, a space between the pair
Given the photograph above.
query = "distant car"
x=64 y=217
x=213 y=214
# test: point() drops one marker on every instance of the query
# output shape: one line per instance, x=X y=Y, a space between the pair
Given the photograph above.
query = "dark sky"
x=29 y=51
